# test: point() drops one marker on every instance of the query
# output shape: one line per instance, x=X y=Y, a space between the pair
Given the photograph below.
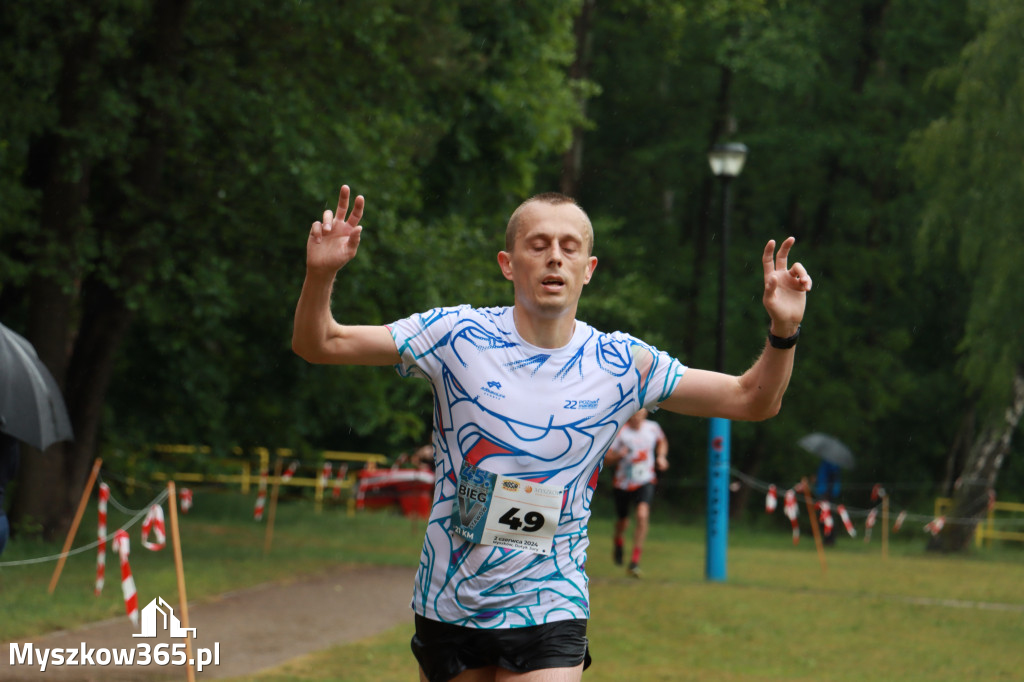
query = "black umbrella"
x=31 y=405
x=829 y=448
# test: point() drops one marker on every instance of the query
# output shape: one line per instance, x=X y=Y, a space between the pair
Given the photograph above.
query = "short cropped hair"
x=553 y=199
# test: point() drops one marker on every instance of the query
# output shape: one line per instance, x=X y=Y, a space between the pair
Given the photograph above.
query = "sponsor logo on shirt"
x=493 y=389
x=581 y=404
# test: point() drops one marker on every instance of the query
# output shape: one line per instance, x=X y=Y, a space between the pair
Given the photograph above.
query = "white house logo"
x=493 y=389
x=158 y=617
x=159 y=612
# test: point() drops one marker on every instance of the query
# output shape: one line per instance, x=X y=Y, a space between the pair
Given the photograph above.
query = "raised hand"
x=334 y=240
x=785 y=288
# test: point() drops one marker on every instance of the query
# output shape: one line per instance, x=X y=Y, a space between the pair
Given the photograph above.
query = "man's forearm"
x=767 y=380
x=319 y=339
x=314 y=323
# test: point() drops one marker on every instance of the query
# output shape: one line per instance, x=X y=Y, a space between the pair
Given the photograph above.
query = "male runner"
x=639 y=451
x=527 y=400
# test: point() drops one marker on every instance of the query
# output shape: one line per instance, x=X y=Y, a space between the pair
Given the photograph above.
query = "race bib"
x=642 y=471
x=491 y=509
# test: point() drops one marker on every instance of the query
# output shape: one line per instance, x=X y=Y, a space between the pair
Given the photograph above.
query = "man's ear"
x=505 y=263
x=591 y=266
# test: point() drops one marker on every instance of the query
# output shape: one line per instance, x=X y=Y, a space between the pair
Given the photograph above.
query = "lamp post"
x=726 y=162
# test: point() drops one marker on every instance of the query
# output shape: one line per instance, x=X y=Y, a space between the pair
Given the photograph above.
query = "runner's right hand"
x=334 y=240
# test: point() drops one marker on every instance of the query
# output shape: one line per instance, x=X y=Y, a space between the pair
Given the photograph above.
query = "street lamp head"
x=727 y=159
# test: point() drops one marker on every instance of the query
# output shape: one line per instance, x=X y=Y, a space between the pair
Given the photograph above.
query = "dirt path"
x=256 y=628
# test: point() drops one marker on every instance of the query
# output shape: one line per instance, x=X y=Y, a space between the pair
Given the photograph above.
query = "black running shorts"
x=445 y=650
x=627 y=499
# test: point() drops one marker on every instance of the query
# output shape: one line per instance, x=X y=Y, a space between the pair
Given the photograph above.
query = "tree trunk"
x=105 y=321
x=572 y=160
x=53 y=158
x=959 y=451
x=973 y=489
x=82 y=357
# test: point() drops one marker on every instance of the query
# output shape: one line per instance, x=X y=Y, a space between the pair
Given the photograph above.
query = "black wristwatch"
x=783 y=343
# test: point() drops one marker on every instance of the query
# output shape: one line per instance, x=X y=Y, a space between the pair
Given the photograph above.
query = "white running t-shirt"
x=544 y=417
x=636 y=468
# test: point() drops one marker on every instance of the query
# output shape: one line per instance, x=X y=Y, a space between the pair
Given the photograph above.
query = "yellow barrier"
x=986 y=532
x=245 y=478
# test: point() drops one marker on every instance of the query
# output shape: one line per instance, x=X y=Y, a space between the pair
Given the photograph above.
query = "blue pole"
x=718 y=499
x=719 y=429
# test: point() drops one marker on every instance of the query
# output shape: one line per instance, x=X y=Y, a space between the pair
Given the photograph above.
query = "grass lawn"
x=777 y=616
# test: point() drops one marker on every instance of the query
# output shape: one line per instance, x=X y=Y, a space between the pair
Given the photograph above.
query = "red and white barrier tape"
x=899 y=521
x=847 y=523
x=869 y=523
x=325 y=474
x=154 y=521
x=101 y=533
x=292 y=468
x=792 y=510
x=824 y=510
x=935 y=525
x=185 y=496
x=261 y=503
x=122 y=546
x=825 y=517
x=261 y=498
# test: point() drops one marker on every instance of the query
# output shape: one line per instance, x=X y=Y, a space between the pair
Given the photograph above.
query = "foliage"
x=264 y=117
x=824 y=96
x=968 y=163
x=401 y=75
x=178 y=184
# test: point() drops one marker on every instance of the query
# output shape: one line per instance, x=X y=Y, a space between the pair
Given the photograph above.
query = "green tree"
x=824 y=95
x=968 y=161
x=154 y=178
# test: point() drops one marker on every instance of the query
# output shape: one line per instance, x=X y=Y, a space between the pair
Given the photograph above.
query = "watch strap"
x=783 y=343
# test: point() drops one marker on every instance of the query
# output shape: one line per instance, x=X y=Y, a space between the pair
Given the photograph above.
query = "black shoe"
x=618 y=555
